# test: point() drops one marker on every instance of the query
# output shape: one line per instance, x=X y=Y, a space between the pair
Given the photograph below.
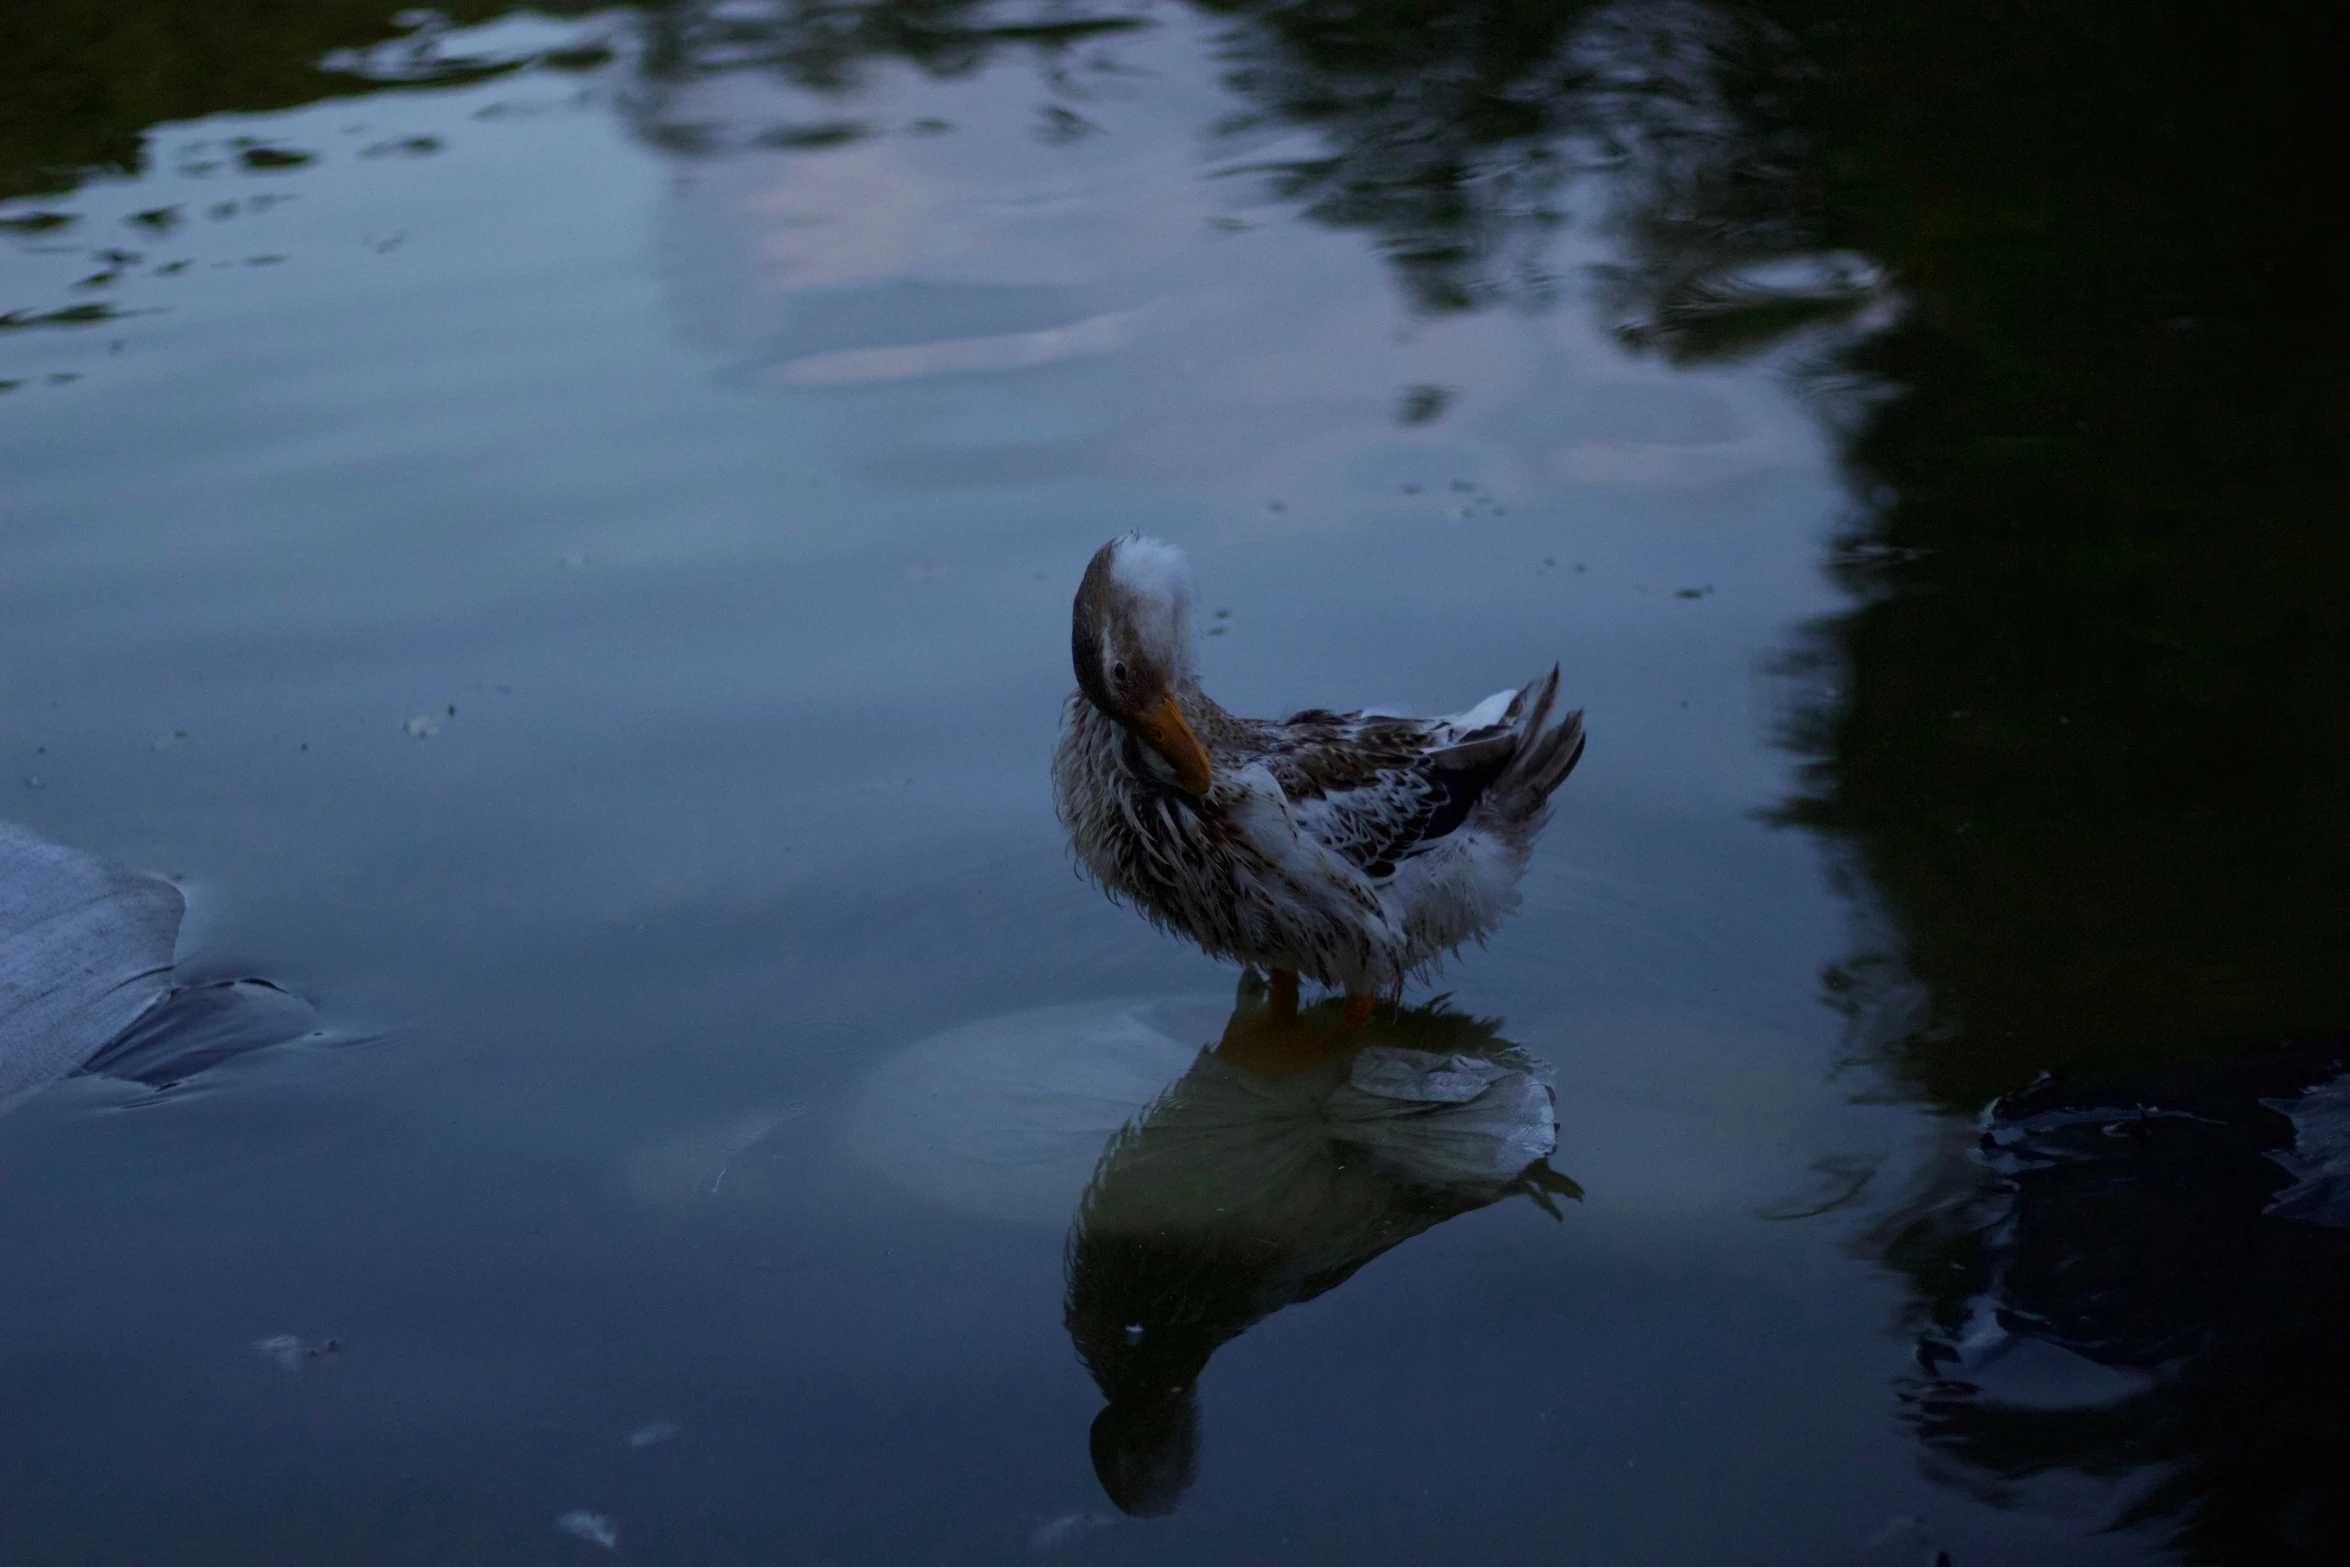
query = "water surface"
x=556 y=529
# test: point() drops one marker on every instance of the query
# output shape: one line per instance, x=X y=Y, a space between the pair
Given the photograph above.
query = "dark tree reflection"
x=2089 y=749
x=1448 y=130
x=2141 y=1222
x=831 y=45
x=82 y=80
x=1444 y=130
x=834 y=47
x=2082 y=733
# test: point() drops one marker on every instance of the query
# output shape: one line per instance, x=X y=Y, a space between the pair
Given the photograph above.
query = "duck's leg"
x=1282 y=993
x=1358 y=1010
x=1266 y=1035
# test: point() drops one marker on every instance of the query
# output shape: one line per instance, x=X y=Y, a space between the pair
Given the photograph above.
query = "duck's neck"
x=1109 y=756
x=1217 y=729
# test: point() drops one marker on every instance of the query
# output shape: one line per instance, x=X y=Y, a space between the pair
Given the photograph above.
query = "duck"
x=1357 y=850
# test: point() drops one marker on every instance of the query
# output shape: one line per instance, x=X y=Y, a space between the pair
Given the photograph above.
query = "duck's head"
x=1131 y=640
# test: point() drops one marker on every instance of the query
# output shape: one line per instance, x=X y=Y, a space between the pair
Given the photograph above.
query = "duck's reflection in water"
x=1292 y=1153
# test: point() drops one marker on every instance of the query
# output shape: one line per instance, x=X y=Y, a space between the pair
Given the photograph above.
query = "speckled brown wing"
x=1375 y=789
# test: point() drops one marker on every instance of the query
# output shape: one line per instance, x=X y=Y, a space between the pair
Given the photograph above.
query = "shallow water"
x=557 y=532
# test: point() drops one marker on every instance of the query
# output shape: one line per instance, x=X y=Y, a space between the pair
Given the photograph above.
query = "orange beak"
x=1167 y=733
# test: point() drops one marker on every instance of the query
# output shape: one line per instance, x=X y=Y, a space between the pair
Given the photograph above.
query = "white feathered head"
x=1130 y=640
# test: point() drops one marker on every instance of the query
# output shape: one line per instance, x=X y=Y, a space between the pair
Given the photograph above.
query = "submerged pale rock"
x=1009 y=1118
x=1006 y=1118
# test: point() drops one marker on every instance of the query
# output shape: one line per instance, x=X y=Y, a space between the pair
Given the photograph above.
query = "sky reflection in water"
x=564 y=554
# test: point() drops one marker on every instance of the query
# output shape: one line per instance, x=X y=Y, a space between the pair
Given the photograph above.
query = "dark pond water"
x=556 y=530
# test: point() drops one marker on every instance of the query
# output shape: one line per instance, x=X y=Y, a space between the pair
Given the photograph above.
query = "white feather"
x=1158 y=578
x=1313 y=874
x=1486 y=712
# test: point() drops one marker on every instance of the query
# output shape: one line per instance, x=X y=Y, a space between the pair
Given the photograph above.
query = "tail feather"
x=1545 y=755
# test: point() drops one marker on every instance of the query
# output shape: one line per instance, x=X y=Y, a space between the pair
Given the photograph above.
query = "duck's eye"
x=1118 y=671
